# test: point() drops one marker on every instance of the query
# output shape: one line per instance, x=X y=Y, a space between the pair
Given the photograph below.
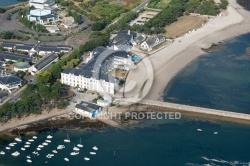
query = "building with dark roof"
x=21 y=66
x=41 y=49
x=139 y=39
x=94 y=75
x=87 y=109
x=9 y=82
x=9 y=56
x=152 y=41
x=43 y=63
x=123 y=40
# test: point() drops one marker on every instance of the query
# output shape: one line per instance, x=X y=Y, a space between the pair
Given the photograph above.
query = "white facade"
x=88 y=83
x=123 y=63
x=41 y=4
x=152 y=41
x=83 y=112
x=42 y=16
x=103 y=103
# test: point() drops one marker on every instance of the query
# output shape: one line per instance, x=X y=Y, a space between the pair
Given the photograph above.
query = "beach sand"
x=170 y=60
x=17 y=122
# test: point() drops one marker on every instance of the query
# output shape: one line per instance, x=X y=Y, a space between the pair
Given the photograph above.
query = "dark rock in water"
x=213 y=48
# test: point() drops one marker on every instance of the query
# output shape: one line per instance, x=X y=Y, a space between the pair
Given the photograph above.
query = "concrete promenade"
x=198 y=110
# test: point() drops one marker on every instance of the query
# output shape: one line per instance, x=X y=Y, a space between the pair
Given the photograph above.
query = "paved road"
x=141 y=6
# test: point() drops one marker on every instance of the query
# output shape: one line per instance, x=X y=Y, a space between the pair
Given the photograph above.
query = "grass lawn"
x=184 y=25
x=158 y=4
x=107 y=9
x=130 y=4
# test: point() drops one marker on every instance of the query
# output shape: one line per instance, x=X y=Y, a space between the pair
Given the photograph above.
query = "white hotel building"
x=94 y=75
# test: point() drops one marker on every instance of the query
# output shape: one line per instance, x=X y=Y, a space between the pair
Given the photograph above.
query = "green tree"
x=56 y=90
x=44 y=77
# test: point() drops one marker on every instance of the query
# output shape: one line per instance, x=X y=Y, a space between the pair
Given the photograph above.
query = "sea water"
x=219 y=80
x=4 y=3
x=151 y=143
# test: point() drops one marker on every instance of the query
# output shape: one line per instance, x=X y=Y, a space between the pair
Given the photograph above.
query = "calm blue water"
x=162 y=143
x=9 y=2
x=219 y=80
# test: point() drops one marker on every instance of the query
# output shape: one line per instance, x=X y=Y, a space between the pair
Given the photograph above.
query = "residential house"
x=123 y=40
x=152 y=41
x=139 y=39
x=9 y=82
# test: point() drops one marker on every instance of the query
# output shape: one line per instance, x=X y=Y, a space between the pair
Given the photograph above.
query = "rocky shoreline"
x=56 y=123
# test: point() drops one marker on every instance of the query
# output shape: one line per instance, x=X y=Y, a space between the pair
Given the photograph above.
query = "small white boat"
x=28 y=143
x=54 y=151
x=28 y=157
x=14 y=143
x=59 y=147
x=40 y=146
x=95 y=148
x=49 y=156
x=2 y=153
x=38 y=149
x=29 y=161
x=215 y=132
x=199 y=130
x=34 y=152
x=49 y=136
x=15 y=154
x=31 y=140
x=74 y=153
x=18 y=139
x=48 y=141
x=66 y=159
x=8 y=148
x=86 y=158
x=76 y=149
x=45 y=144
x=23 y=149
x=26 y=146
x=11 y=144
x=52 y=155
x=68 y=139
x=34 y=137
x=93 y=153
x=80 y=145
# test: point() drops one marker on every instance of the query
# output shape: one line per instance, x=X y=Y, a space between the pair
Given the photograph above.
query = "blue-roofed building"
x=87 y=109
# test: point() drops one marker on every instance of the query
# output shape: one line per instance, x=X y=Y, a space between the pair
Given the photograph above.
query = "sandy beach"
x=170 y=60
x=17 y=122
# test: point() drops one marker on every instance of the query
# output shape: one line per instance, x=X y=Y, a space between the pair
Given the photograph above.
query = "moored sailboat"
x=80 y=145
